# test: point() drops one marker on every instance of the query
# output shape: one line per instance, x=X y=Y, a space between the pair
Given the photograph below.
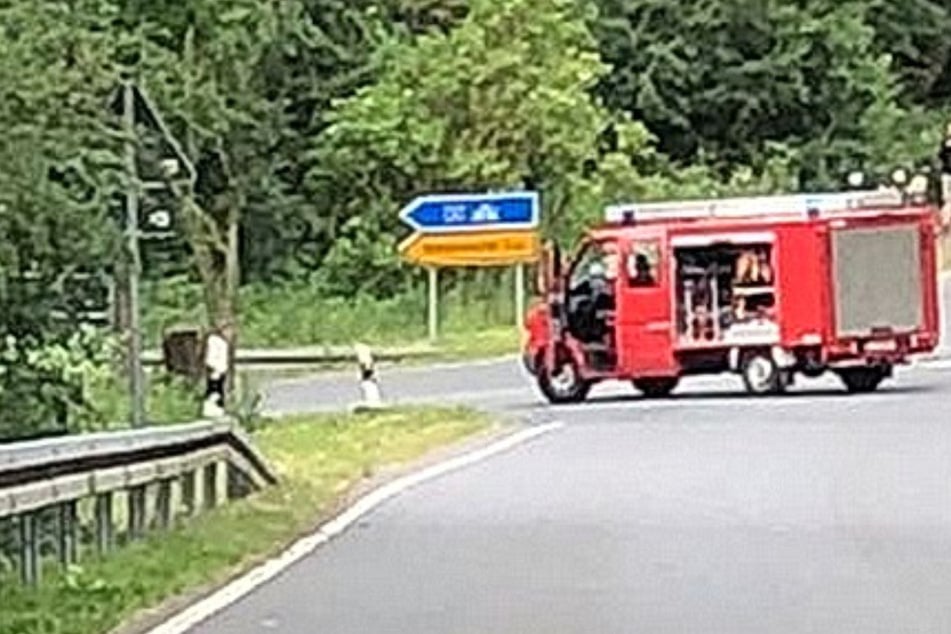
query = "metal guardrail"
x=322 y=355
x=163 y=473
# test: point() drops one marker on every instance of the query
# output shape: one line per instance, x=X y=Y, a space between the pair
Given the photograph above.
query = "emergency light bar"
x=793 y=204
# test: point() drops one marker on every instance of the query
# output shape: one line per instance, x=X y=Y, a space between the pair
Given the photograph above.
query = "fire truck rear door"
x=644 y=314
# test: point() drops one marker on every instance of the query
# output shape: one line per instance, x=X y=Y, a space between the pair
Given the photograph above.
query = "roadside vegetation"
x=311 y=122
x=319 y=459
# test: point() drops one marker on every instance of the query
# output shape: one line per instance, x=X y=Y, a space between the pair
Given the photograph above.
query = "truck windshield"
x=597 y=259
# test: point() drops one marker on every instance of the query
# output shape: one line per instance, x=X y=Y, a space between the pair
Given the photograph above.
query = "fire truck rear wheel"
x=655 y=388
x=761 y=375
x=862 y=380
x=565 y=385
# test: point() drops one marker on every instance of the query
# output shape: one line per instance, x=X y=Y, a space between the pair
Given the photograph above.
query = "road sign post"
x=433 y=307
x=520 y=295
x=496 y=229
x=136 y=375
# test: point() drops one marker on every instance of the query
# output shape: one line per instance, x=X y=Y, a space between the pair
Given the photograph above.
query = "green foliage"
x=305 y=315
x=726 y=79
x=499 y=102
x=914 y=34
x=312 y=122
x=75 y=386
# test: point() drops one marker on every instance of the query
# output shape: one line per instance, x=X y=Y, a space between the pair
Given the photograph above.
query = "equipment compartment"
x=726 y=294
x=877 y=280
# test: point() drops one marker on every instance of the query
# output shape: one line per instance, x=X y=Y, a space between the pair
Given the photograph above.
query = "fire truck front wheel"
x=564 y=384
x=656 y=388
x=761 y=375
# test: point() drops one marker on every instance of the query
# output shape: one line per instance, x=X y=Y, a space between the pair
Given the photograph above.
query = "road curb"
x=202 y=610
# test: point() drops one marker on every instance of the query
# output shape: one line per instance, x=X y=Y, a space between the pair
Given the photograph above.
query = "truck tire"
x=656 y=388
x=862 y=380
x=564 y=386
x=761 y=375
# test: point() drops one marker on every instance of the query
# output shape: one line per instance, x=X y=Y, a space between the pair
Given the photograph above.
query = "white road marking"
x=201 y=611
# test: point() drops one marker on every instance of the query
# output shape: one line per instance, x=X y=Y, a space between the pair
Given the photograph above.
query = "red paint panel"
x=802 y=270
x=645 y=320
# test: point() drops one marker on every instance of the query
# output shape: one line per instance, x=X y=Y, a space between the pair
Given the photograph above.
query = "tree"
x=725 y=80
x=212 y=89
x=60 y=172
x=914 y=34
x=499 y=102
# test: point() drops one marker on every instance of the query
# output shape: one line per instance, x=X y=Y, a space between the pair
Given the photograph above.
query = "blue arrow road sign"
x=439 y=213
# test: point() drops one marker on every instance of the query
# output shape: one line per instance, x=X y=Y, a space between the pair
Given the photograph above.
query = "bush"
x=303 y=314
x=73 y=385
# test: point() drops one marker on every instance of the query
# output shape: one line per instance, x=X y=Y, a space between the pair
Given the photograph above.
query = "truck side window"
x=592 y=261
x=642 y=264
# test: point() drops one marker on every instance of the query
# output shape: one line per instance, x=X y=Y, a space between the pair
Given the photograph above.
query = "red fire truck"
x=766 y=287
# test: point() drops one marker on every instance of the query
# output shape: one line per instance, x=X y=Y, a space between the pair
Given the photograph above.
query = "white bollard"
x=369 y=384
x=211 y=409
x=216 y=368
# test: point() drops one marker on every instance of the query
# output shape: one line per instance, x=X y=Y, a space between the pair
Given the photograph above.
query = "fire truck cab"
x=767 y=287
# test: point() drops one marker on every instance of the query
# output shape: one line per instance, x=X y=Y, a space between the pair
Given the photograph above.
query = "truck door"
x=645 y=327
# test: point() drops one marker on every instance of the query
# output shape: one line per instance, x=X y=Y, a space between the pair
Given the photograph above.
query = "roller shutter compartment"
x=877 y=280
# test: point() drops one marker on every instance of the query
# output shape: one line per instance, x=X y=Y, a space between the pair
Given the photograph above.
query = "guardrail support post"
x=189 y=490
x=210 y=497
x=67 y=534
x=136 y=512
x=163 y=504
x=104 y=528
x=238 y=485
x=29 y=550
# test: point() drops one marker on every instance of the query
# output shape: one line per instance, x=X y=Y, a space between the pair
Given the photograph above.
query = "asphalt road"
x=707 y=512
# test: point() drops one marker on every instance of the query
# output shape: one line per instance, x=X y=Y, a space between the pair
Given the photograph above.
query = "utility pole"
x=134 y=264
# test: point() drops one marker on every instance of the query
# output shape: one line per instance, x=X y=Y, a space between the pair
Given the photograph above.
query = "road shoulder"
x=172 y=615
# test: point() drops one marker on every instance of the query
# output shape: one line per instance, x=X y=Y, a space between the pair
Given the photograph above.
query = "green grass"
x=491 y=342
x=319 y=459
x=294 y=316
x=169 y=399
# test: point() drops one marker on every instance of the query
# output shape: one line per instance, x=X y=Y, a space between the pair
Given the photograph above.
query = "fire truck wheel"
x=862 y=380
x=656 y=388
x=563 y=386
x=761 y=375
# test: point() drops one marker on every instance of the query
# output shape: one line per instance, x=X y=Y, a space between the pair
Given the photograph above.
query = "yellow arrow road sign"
x=496 y=248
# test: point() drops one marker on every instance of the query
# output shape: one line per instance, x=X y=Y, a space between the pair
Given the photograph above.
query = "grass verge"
x=454 y=347
x=289 y=316
x=320 y=459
